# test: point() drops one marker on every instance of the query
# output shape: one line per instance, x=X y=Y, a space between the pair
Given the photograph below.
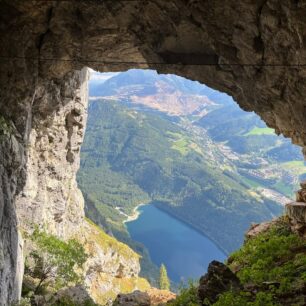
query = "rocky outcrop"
x=151 y=297
x=112 y=267
x=258 y=228
x=219 y=278
x=78 y=295
x=257 y=272
x=296 y=211
x=50 y=198
x=44 y=46
x=136 y=298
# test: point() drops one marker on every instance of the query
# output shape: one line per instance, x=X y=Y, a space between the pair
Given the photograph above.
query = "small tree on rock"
x=53 y=261
x=164 y=282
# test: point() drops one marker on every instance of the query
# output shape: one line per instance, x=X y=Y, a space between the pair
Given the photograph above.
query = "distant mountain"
x=241 y=132
x=188 y=147
x=166 y=93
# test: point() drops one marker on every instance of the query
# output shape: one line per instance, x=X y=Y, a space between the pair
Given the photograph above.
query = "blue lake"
x=185 y=252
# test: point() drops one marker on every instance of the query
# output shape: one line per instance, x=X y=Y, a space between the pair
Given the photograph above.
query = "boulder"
x=77 y=294
x=151 y=297
x=160 y=297
x=296 y=211
x=218 y=279
x=136 y=298
x=303 y=184
x=258 y=228
x=301 y=195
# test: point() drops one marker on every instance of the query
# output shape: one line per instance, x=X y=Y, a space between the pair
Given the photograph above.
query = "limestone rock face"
x=112 y=267
x=249 y=49
x=50 y=197
x=12 y=174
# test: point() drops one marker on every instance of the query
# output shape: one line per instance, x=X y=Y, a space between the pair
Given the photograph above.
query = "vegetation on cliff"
x=91 y=266
x=107 y=242
x=50 y=265
x=188 y=296
x=113 y=267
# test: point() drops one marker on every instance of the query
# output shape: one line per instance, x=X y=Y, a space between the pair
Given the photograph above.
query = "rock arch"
x=253 y=50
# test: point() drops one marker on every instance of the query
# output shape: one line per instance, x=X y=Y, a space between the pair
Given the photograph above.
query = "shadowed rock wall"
x=249 y=49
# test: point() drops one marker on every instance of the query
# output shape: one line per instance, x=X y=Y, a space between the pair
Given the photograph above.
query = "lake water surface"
x=185 y=252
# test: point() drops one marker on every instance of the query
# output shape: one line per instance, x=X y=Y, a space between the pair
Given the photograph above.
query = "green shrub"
x=273 y=263
x=187 y=296
x=243 y=299
x=54 y=261
x=231 y=299
x=274 y=256
x=23 y=302
x=66 y=301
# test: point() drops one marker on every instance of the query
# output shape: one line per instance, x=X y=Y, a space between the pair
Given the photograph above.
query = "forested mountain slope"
x=131 y=157
x=189 y=149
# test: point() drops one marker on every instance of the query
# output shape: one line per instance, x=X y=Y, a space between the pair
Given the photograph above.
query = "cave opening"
x=194 y=155
x=258 y=58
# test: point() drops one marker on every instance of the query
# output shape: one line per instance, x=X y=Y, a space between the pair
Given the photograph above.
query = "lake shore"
x=200 y=231
x=185 y=251
x=136 y=213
